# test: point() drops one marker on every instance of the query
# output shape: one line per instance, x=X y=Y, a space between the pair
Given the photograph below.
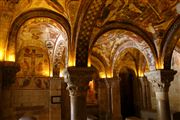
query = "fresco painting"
x=34 y=71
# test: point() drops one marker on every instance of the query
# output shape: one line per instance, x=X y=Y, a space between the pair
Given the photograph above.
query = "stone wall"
x=42 y=104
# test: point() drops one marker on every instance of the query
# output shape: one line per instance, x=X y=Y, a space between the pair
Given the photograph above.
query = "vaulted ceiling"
x=110 y=31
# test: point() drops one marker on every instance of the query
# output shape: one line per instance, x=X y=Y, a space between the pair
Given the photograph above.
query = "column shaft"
x=163 y=109
x=78 y=108
x=77 y=80
x=161 y=80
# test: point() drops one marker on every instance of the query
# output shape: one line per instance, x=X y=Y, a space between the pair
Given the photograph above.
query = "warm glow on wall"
x=140 y=73
x=61 y=74
x=51 y=74
x=1 y=55
x=89 y=62
x=46 y=72
x=91 y=85
x=109 y=75
x=102 y=75
x=159 y=66
x=91 y=96
x=71 y=62
x=11 y=58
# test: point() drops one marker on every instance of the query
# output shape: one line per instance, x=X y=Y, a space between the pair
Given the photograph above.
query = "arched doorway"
x=127 y=84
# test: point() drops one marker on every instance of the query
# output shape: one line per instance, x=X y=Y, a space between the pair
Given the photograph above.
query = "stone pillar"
x=77 y=80
x=145 y=93
x=115 y=98
x=161 y=80
x=108 y=82
x=8 y=72
x=55 y=93
x=65 y=106
x=109 y=99
x=102 y=99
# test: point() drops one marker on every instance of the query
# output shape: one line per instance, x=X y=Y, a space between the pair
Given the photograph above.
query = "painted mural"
x=143 y=12
x=112 y=42
x=48 y=35
x=34 y=63
x=91 y=93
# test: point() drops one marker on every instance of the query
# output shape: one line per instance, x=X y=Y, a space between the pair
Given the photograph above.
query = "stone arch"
x=131 y=44
x=100 y=65
x=151 y=50
x=90 y=11
x=100 y=58
x=22 y=18
x=169 y=42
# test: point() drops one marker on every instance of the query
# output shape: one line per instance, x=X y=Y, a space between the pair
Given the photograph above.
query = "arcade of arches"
x=89 y=60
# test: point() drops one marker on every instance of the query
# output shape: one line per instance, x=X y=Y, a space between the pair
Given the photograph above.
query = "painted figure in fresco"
x=41 y=83
x=24 y=82
x=142 y=11
x=25 y=67
x=39 y=68
x=108 y=11
x=32 y=55
x=91 y=94
x=38 y=83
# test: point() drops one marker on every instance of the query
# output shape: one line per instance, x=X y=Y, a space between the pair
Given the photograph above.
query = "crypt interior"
x=89 y=60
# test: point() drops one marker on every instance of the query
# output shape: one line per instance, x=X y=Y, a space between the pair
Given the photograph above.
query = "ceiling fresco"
x=67 y=8
x=146 y=13
x=86 y=19
x=131 y=58
x=46 y=34
x=110 y=45
x=152 y=16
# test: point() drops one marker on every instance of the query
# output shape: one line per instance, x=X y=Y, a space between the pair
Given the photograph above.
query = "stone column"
x=77 y=80
x=108 y=82
x=102 y=99
x=142 y=92
x=109 y=99
x=161 y=80
x=145 y=93
x=115 y=98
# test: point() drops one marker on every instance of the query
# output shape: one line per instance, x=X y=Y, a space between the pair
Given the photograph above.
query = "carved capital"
x=77 y=79
x=161 y=79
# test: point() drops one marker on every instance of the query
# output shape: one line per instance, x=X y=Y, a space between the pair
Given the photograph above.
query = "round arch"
x=99 y=64
x=100 y=58
x=131 y=44
x=169 y=42
x=132 y=28
x=21 y=19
